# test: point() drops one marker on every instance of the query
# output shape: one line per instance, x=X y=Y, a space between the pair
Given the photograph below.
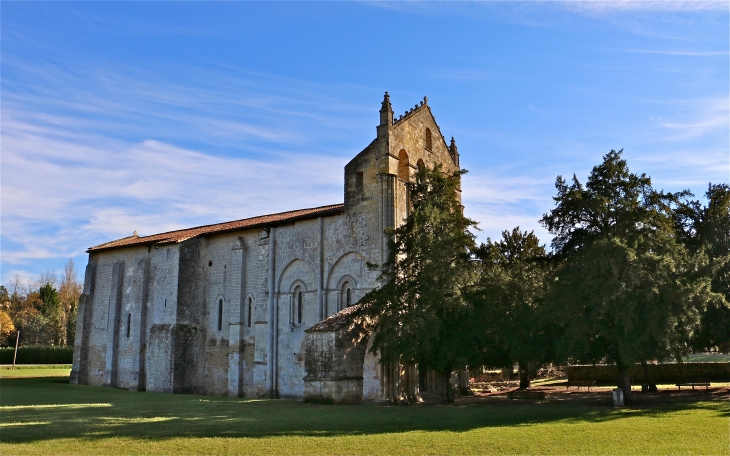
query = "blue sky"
x=155 y=116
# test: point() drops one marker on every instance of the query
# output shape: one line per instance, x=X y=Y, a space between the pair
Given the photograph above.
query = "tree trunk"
x=624 y=383
x=446 y=394
x=524 y=375
x=507 y=373
x=648 y=376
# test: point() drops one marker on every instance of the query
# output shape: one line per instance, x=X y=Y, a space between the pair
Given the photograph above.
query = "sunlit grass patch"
x=7 y=408
x=41 y=370
x=24 y=423
x=58 y=418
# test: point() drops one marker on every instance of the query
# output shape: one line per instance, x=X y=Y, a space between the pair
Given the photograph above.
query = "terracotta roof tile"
x=174 y=237
x=336 y=321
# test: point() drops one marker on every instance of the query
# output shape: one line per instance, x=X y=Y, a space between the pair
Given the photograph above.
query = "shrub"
x=37 y=354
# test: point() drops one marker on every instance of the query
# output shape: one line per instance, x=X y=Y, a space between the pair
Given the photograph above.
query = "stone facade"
x=223 y=309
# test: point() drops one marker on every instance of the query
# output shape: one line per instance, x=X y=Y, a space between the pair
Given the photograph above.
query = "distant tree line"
x=44 y=311
x=634 y=275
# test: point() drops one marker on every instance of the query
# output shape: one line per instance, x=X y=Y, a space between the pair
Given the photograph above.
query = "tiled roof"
x=338 y=320
x=174 y=237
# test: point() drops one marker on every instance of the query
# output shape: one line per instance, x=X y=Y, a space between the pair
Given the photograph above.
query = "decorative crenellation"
x=416 y=108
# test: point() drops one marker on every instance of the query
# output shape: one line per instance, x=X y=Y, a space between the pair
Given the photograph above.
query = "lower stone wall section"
x=336 y=391
x=662 y=373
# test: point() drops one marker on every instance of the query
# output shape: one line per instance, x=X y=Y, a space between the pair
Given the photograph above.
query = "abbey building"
x=259 y=307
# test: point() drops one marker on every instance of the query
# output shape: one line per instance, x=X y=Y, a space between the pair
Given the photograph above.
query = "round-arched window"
x=404 y=169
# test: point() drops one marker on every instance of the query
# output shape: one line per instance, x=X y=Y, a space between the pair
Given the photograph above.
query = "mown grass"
x=44 y=370
x=49 y=416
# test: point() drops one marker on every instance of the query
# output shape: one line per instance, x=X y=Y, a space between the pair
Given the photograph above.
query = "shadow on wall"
x=97 y=412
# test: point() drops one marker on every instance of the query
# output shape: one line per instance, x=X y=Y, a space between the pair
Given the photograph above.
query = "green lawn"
x=49 y=416
x=47 y=370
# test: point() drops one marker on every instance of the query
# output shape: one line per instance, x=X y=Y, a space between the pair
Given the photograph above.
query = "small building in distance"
x=223 y=309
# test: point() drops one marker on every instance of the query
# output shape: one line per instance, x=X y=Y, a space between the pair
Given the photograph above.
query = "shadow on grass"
x=49 y=408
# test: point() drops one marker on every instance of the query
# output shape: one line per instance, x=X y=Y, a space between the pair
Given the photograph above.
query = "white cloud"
x=500 y=202
x=25 y=277
x=64 y=194
x=92 y=153
x=611 y=6
x=697 y=118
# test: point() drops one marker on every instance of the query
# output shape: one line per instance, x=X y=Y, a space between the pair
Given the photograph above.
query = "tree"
x=507 y=301
x=4 y=295
x=7 y=329
x=707 y=229
x=625 y=290
x=69 y=293
x=52 y=311
x=420 y=311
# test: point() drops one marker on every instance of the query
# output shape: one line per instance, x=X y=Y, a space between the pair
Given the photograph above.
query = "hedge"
x=662 y=373
x=37 y=354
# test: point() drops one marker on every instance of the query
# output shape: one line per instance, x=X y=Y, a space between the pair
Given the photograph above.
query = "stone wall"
x=662 y=373
x=334 y=367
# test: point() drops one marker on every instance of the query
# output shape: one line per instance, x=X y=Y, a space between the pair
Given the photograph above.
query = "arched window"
x=220 y=314
x=428 y=139
x=297 y=306
x=345 y=295
x=250 y=306
x=420 y=165
x=404 y=169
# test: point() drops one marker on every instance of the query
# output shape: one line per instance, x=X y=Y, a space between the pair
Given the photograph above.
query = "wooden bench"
x=579 y=383
x=705 y=383
x=526 y=395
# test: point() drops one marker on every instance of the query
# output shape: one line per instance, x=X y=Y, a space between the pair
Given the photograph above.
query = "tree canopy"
x=625 y=290
x=509 y=323
x=707 y=229
x=420 y=310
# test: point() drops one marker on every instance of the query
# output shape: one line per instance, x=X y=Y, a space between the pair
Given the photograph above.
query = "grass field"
x=49 y=416
x=27 y=371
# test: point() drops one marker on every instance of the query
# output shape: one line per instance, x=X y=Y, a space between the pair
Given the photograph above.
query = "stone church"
x=259 y=307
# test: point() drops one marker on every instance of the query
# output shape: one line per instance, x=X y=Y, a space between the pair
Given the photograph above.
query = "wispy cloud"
x=696 y=118
x=65 y=195
x=499 y=202
x=534 y=109
x=92 y=153
x=611 y=6
x=679 y=52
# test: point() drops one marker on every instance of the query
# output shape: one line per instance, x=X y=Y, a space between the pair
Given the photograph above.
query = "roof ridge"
x=337 y=320
x=133 y=236
x=233 y=225
x=328 y=206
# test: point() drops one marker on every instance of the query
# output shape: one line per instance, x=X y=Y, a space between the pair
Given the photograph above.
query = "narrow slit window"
x=345 y=298
x=428 y=139
x=220 y=314
x=299 y=307
x=250 y=305
x=129 y=324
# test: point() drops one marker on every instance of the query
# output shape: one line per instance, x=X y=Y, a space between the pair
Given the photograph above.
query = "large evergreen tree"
x=626 y=291
x=509 y=323
x=707 y=229
x=420 y=310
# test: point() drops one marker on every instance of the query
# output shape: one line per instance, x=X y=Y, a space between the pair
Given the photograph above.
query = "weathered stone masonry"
x=246 y=308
